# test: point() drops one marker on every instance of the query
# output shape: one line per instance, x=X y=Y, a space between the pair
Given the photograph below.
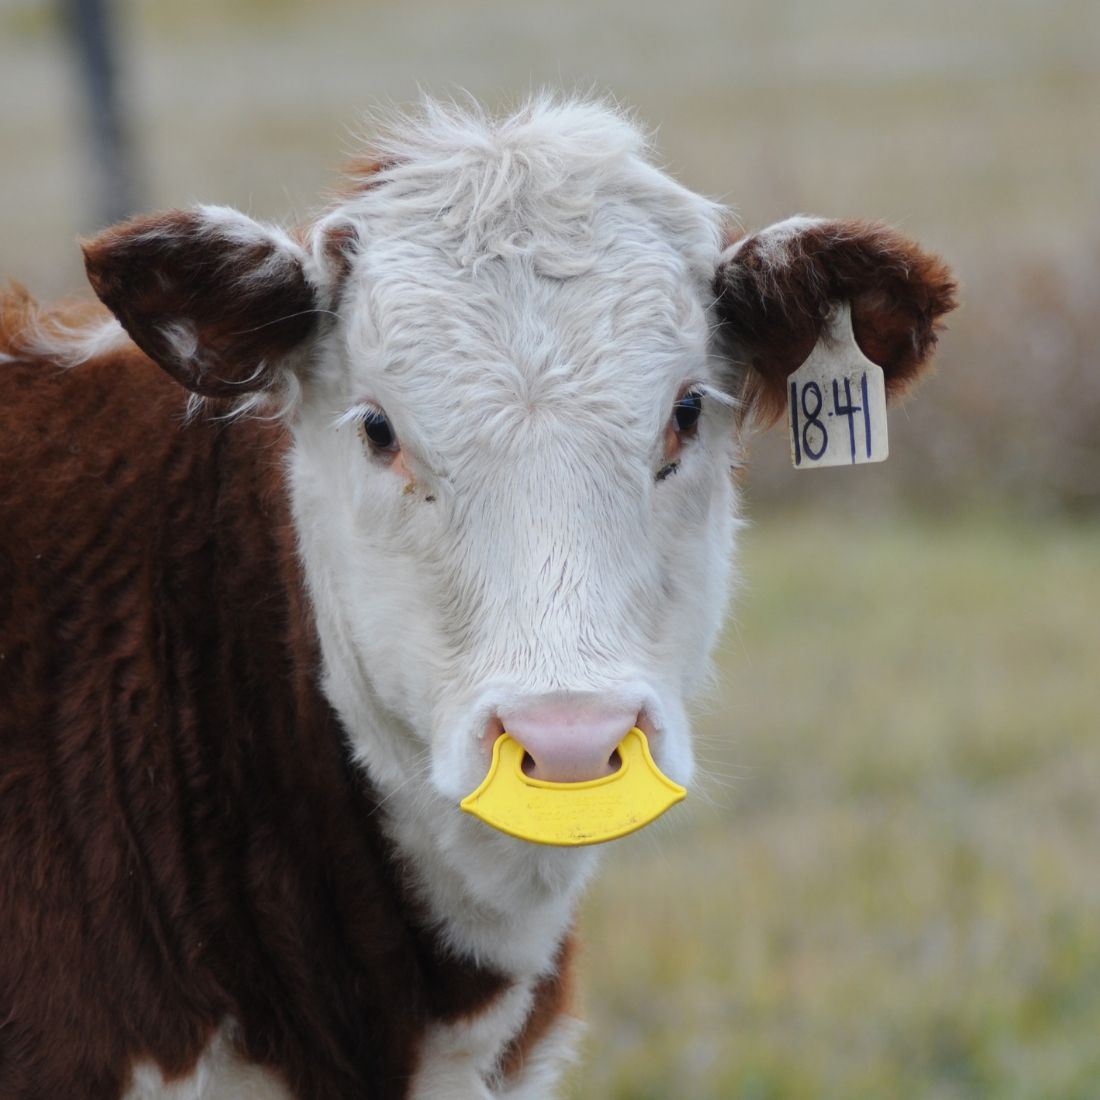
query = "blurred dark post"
x=92 y=29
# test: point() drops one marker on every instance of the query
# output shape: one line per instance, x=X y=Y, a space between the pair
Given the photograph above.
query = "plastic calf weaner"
x=572 y=814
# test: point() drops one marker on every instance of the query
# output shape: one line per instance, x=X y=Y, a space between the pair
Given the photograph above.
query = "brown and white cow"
x=460 y=460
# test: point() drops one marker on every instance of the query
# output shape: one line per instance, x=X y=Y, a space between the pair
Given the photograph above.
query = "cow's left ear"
x=221 y=302
x=774 y=289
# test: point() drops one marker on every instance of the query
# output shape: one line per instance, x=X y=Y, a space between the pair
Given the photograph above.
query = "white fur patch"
x=458 y=1061
x=540 y=1073
x=776 y=243
x=455 y=1060
x=182 y=338
x=71 y=345
x=221 y=1074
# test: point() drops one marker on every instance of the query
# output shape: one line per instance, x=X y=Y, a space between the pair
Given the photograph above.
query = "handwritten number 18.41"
x=811 y=436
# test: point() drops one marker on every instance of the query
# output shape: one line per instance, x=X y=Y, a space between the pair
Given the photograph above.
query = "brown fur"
x=772 y=309
x=182 y=836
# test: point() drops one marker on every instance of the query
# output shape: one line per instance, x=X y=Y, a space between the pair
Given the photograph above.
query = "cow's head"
x=515 y=359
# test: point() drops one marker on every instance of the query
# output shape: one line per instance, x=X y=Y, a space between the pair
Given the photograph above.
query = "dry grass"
x=891 y=887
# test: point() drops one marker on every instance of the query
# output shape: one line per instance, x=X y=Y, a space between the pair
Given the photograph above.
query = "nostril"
x=531 y=769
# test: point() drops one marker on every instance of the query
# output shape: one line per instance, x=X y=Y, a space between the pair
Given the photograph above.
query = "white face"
x=509 y=517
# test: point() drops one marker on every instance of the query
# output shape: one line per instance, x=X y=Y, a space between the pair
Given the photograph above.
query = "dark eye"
x=378 y=432
x=686 y=412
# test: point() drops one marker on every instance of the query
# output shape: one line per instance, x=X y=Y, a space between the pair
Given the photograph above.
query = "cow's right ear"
x=221 y=302
x=775 y=288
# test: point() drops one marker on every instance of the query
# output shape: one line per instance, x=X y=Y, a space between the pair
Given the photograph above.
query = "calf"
x=294 y=534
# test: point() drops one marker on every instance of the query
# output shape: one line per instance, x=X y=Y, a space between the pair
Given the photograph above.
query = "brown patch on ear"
x=774 y=292
x=217 y=303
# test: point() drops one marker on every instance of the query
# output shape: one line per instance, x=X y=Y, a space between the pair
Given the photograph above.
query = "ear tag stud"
x=572 y=814
x=836 y=401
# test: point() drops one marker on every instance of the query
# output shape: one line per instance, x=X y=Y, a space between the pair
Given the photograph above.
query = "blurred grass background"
x=889 y=885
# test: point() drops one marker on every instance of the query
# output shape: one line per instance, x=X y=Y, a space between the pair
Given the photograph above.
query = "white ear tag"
x=836 y=401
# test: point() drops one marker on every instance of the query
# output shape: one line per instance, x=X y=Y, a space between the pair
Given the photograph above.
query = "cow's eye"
x=376 y=429
x=686 y=412
x=680 y=427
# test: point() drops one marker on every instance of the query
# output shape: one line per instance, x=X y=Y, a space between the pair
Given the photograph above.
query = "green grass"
x=890 y=886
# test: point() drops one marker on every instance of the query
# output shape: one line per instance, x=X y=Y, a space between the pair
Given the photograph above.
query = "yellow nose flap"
x=572 y=814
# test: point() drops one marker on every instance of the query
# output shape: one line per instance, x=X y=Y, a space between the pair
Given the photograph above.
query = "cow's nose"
x=569 y=737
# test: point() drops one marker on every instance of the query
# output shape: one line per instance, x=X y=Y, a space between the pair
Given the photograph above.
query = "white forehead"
x=526 y=265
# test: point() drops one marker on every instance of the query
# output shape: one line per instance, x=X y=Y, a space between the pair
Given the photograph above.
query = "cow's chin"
x=509 y=873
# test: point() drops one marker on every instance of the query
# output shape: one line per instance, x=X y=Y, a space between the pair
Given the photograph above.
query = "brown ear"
x=215 y=298
x=775 y=287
